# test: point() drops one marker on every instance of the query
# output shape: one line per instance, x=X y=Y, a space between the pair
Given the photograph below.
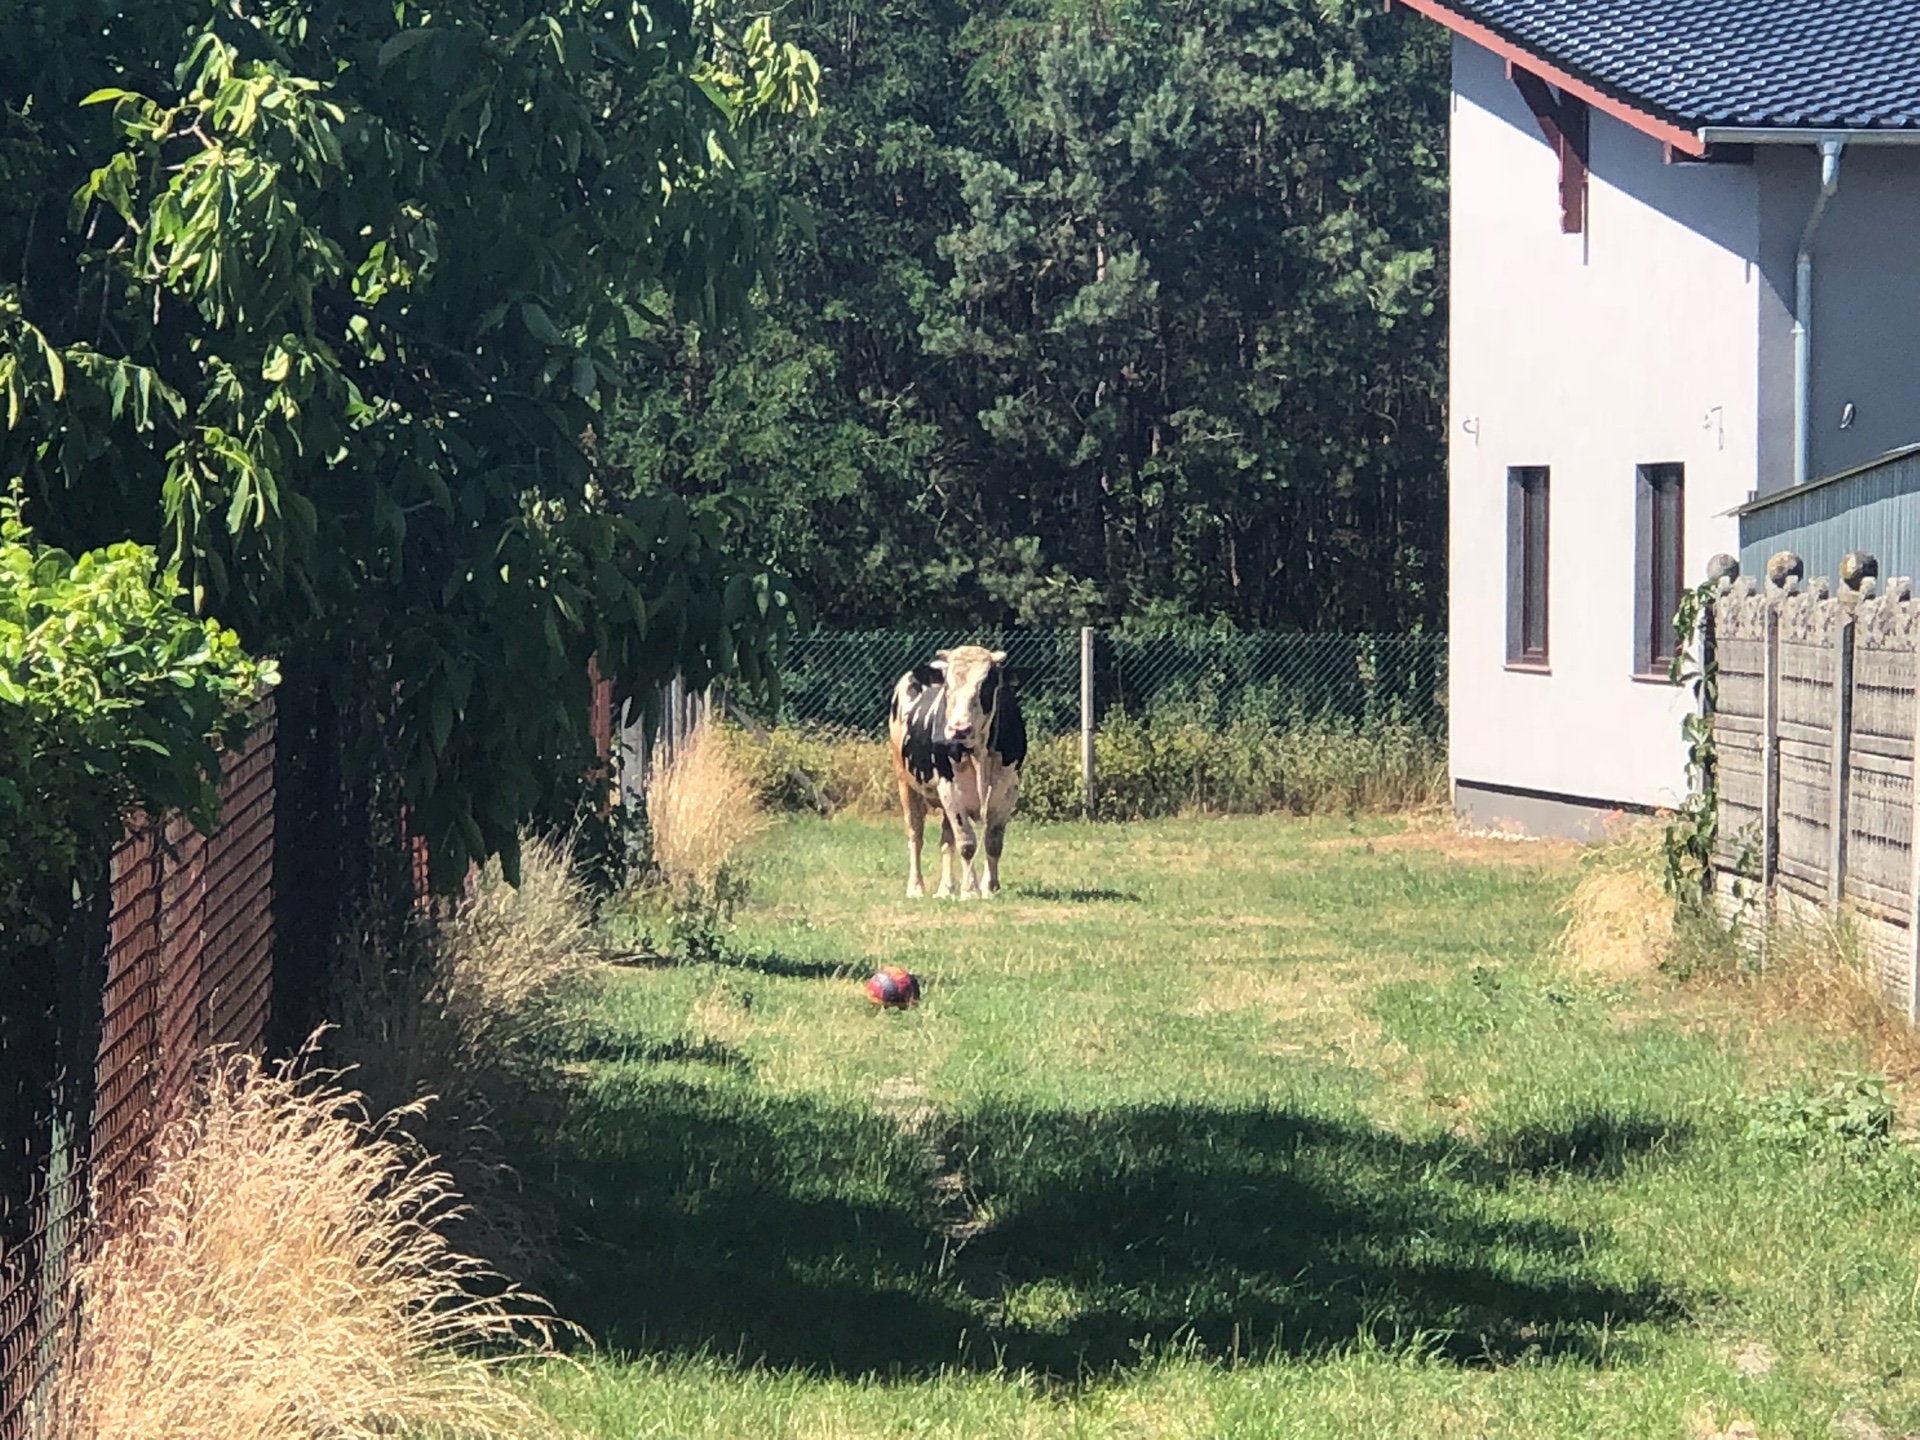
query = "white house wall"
x=1633 y=343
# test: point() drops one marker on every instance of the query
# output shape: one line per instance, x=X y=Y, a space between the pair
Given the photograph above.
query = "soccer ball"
x=893 y=987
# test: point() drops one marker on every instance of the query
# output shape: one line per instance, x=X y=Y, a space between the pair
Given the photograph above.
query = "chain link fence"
x=841 y=681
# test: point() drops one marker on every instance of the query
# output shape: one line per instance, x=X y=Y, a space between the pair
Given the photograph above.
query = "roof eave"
x=1802 y=134
x=1794 y=492
x=1666 y=131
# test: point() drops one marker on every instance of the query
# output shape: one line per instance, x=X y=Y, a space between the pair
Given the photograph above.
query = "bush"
x=1145 y=769
x=819 y=771
x=287 y=1279
x=111 y=697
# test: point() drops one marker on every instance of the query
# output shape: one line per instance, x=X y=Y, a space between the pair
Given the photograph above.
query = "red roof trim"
x=1646 y=123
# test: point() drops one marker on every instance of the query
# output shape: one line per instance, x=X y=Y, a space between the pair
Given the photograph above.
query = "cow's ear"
x=1017 y=674
x=999 y=657
x=942 y=656
x=929 y=674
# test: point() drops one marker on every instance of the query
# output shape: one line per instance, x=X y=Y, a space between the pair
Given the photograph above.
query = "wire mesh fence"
x=842 y=680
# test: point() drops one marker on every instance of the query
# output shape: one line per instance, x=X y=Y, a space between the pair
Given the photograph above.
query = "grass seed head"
x=702 y=810
x=284 y=1276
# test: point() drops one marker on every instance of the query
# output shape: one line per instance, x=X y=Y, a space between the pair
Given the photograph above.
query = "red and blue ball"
x=894 y=988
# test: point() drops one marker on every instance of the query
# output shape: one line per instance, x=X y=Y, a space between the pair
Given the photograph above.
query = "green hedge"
x=1145 y=769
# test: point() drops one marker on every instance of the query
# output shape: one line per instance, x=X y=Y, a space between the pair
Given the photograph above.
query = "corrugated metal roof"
x=1846 y=64
x=1873 y=507
x=1797 y=494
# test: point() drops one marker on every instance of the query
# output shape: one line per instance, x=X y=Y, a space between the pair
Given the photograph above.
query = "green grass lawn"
x=1205 y=1127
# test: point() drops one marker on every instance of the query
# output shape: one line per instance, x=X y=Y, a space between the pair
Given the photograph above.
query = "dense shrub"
x=1145 y=768
x=111 y=696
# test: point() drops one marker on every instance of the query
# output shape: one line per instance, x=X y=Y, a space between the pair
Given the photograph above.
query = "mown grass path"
x=1207 y=1127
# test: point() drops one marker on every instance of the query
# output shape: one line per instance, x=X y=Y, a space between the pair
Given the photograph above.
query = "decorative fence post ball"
x=893 y=987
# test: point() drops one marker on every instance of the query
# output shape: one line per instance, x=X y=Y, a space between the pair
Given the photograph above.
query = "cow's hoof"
x=916 y=892
x=946 y=892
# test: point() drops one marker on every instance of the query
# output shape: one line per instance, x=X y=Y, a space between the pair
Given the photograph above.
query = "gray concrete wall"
x=1525 y=812
x=1866 y=306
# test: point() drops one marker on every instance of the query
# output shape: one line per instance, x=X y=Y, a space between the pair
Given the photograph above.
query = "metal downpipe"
x=1803 y=311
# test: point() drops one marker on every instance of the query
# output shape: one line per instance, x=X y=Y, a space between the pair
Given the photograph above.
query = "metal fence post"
x=1086 y=720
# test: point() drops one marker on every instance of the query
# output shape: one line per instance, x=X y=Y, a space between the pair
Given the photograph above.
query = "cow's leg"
x=914 y=807
x=996 y=841
x=946 y=854
x=999 y=810
x=969 y=846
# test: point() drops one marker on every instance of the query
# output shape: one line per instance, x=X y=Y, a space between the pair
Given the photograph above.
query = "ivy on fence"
x=1694 y=831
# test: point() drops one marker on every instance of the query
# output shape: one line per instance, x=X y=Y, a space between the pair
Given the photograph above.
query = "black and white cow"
x=958 y=744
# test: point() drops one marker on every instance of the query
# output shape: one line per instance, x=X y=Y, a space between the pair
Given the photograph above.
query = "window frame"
x=1659 y=564
x=1529 y=566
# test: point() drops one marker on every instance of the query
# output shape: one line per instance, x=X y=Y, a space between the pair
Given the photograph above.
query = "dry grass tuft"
x=508 y=949
x=459 y=1020
x=285 y=1277
x=702 y=809
x=484 y=989
x=1817 y=974
x=1620 y=920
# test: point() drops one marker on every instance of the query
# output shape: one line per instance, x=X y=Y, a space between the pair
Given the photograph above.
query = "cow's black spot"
x=922 y=745
x=1008 y=737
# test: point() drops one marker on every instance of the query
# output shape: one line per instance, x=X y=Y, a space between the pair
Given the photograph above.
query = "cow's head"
x=974 y=678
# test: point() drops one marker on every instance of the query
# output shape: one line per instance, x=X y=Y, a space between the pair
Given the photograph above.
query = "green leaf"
x=539 y=324
x=401 y=44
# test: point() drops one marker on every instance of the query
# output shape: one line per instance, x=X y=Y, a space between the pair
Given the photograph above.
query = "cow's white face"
x=973 y=680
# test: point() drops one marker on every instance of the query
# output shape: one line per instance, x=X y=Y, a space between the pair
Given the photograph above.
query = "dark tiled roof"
x=1851 y=64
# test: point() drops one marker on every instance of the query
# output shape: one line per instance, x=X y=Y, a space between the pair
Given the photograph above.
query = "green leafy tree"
x=326 y=299
x=1110 y=313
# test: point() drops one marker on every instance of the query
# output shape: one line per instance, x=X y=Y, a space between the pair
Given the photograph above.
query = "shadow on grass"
x=1075 y=895
x=759 y=962
x=728 y=1219
x=1597 y=1144
x=678 y=1050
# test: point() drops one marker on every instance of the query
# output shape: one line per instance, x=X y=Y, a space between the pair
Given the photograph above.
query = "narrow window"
x=1658 y=566
x=1527 y=565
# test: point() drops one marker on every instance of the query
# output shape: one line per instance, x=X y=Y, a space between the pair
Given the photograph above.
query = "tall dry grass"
x=1620 y=921
x=461 y=1018
x=286 y=1277
x=486 y=982
x=702 y=810
x=507 y=951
